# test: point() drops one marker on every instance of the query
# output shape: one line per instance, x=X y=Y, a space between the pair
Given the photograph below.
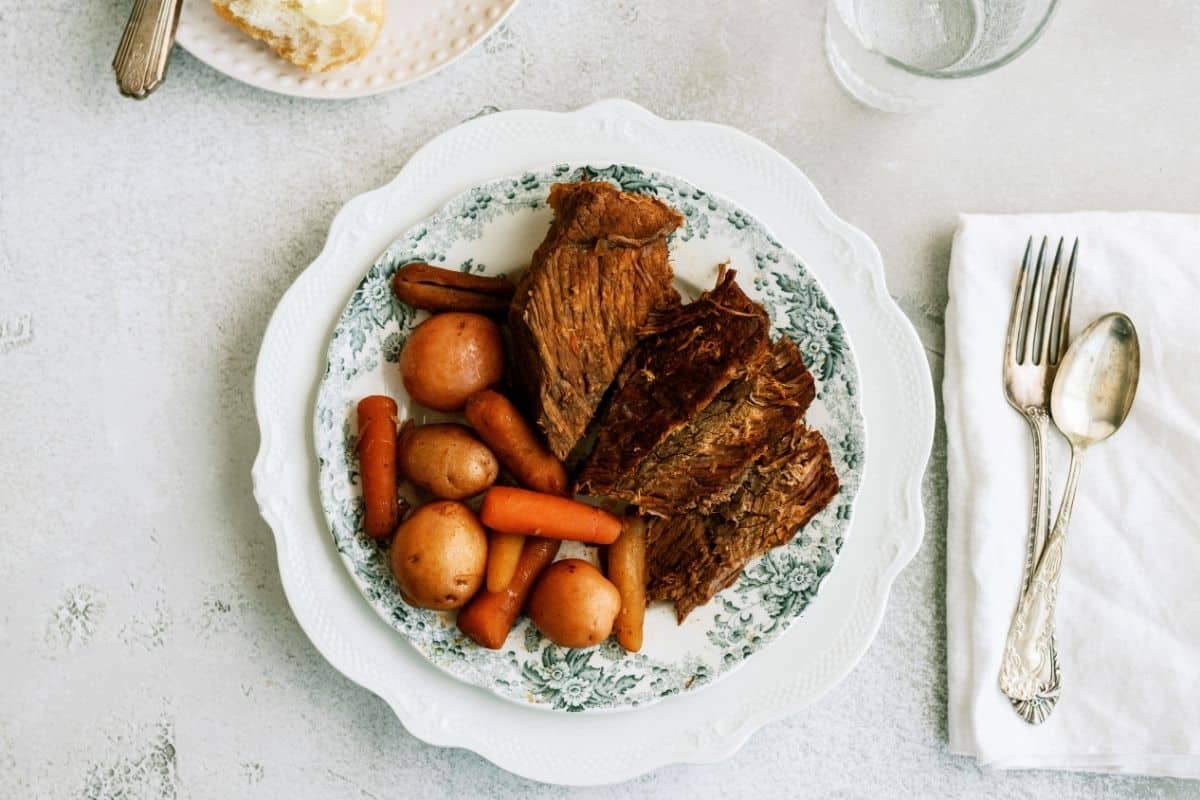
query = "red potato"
x=489 y=616
x=513 y=440
x=450 y=357
x=439 y=555
x=511 y=510
x=377 y=464
x=445 y=459
x=573 y=604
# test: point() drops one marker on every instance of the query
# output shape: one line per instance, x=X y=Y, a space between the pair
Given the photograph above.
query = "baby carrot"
x=489 y=616
x=377 y=464
x=627 y=570
x=513 y=440
x=504 y=551
x=511 y=510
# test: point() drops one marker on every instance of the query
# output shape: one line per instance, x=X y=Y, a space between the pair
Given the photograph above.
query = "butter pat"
x=327 y=12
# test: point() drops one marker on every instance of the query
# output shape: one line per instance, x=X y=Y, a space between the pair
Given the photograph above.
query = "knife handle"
x=141 y=59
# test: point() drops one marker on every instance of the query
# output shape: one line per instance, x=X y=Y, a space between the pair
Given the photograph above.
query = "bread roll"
x=317 y=35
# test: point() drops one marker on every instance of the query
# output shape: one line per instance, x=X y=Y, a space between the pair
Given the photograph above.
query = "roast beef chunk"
x=702 y=463
x=590 y=285
x=690 y=557
x=704 y=427
x=685 y=357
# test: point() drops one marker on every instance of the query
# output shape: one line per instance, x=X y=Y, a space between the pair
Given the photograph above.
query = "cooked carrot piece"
x=440 y=289
x=489 y=616
x=511 y=510
x=377 y=464
x=627 y=570
x=513 y=440
x=504 y=551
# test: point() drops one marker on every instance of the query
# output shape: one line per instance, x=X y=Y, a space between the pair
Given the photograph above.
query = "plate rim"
x=604 y=130
x=184 y=37
x=856 y=422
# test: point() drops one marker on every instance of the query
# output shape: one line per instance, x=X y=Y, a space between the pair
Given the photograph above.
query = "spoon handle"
x=141 y=59
x=1030 y=673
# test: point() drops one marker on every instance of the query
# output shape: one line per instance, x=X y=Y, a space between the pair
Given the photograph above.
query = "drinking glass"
x=901 y=55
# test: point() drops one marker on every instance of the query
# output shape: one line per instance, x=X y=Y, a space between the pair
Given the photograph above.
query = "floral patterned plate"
x=492 y=229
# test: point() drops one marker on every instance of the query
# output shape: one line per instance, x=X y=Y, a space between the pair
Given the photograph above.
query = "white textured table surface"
x=145 y=644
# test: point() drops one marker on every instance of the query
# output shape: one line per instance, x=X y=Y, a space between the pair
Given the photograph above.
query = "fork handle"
x=141 y=59
x=1036 y=708
x=1031 y=671
x=1039 y=517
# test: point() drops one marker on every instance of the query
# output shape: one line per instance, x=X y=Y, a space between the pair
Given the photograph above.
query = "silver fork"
x=1038 y=335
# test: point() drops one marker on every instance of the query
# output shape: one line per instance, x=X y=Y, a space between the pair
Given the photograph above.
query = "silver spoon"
x=1093 y=392
x=141 y=59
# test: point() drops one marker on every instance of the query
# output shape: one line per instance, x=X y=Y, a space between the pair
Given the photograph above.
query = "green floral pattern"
x=772 y=592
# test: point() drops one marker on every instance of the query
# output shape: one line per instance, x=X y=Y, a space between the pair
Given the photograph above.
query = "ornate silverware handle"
x=1036 y=710
x=141 y=59
x=1030 y=668
x=1039 y=521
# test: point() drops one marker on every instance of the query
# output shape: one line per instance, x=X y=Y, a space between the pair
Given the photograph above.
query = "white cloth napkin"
x=1129 y=600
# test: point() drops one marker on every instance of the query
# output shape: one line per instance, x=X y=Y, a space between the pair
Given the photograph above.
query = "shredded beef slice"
x=592 y=283
x=690 y=557
x=685 y=357
x=701 y=464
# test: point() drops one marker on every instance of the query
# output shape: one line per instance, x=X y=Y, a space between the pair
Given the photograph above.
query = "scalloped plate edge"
x=270 y=465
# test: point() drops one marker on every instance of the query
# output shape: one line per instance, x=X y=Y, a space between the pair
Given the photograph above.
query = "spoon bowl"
x=1096 y=381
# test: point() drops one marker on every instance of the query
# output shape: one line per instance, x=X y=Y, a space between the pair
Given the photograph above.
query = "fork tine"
x=1062 y=327
x=1013 y=342
x=1032 y=305
x=1049 y=309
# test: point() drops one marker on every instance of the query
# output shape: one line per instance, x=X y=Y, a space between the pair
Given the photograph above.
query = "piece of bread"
x=317 y=35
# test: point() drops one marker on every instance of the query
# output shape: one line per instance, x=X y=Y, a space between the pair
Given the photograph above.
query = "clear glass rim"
x=982 y=69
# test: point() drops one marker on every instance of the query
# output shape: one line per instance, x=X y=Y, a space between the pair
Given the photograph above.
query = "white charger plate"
x=419 y=38
x=814 y=654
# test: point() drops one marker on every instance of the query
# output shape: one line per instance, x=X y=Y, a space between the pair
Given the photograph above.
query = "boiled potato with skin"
x=439 y=555
x=450 y=357
x=446 y=460
x=573 y=604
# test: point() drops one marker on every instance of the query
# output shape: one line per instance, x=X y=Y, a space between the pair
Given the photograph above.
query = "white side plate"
x=820 y=647
x=419 y=37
